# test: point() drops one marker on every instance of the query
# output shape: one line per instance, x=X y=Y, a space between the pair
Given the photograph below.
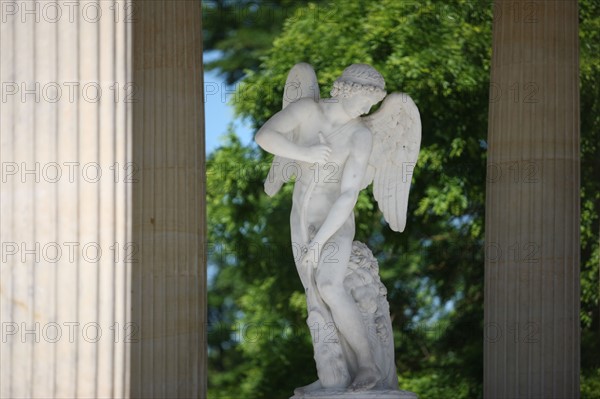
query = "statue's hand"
x=311 y=255
x=318 y=153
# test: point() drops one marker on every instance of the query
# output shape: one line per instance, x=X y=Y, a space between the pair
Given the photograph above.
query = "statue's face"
x=358 y=104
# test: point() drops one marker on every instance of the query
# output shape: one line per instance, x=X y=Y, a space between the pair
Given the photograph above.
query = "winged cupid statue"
x=333 y=152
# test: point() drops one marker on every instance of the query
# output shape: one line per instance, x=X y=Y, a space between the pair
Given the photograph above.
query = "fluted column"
x=531 y=346
x=168 y=283
x=102 y=285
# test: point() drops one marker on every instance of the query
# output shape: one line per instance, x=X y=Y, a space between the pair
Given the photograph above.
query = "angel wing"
x=396 y=129
x=301 y=83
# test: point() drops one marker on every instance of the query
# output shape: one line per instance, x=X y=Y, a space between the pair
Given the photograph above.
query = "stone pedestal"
x=531 y=347
x=343 y=394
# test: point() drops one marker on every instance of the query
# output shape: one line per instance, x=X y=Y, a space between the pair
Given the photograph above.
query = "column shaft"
x=531 y=347
x=169 y=292
x=102 y=220
x=64 y=298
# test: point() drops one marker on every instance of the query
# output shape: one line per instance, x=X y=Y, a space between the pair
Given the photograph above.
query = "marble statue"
x=333 y=153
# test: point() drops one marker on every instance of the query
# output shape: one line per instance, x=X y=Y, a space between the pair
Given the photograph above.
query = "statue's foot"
x=366 y=378
x=308 y=388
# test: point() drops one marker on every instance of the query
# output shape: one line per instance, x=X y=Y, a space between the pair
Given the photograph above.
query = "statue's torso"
x=322 y=181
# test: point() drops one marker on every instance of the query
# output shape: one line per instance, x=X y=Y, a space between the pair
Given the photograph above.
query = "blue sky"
x=218 y=114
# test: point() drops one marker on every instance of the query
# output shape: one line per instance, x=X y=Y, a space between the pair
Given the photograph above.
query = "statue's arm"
x=275 y=135
x=352 y=176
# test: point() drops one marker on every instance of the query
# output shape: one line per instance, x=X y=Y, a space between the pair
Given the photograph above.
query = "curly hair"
x=345 y=89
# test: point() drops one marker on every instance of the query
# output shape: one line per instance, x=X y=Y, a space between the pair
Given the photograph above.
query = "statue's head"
x=359 y=88
x=359 y=79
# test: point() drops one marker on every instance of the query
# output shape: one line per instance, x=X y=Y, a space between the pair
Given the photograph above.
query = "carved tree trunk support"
x=531 y=347
x=110 y=87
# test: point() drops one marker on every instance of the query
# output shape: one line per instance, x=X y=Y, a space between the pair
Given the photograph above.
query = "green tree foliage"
x=589 y=36
x=439 y=53
x=243 y=31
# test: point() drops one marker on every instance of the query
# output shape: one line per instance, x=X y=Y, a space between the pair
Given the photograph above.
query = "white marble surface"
x=334 y=153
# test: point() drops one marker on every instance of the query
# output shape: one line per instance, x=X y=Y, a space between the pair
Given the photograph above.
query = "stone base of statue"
x=345 y=394
x=362 y=282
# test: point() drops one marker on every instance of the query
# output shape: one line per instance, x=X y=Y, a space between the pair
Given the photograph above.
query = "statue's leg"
x=330 y=275
x=329 y=356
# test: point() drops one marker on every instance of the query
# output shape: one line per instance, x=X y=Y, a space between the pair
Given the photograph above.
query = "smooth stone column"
x=532 y=339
